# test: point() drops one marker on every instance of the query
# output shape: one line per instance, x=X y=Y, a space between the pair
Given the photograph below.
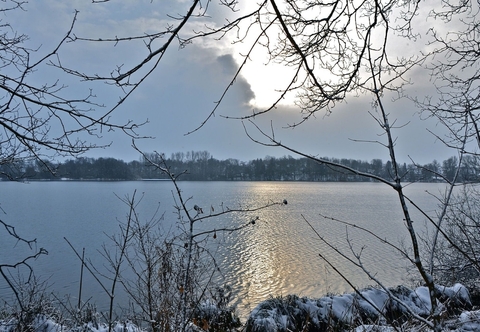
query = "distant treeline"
x=201 y=166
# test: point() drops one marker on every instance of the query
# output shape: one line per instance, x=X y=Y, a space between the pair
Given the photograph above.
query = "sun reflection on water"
x=280 y=254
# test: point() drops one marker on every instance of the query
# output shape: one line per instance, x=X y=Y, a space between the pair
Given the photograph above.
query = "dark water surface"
x=278 y=256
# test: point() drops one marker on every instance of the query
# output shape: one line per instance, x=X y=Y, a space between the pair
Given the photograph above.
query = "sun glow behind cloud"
x=268 y=83
x=266 y=77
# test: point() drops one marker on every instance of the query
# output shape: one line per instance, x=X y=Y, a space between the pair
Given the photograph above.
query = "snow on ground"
x=361 y=310
x=357 y=312
x=42 y=323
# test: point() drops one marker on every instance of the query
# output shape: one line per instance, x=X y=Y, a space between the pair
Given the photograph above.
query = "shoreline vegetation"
x=201 y=166
x=370 y=309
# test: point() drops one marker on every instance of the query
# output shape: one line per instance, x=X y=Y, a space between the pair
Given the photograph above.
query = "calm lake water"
x=279 y=255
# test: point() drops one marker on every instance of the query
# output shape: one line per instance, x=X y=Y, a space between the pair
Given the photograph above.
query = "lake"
x=279 y=255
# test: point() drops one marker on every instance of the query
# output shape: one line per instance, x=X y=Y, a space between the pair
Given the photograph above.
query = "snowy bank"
x=369 y=306
x=372 y=309
x=43 y=323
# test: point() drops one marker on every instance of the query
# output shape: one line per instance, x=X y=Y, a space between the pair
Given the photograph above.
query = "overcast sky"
x=183 y=90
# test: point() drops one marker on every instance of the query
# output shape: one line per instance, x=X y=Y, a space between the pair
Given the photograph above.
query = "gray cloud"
x=242 y=87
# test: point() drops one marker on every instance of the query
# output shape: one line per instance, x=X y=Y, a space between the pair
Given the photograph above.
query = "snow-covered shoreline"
x=382 y=307
x=371 y=309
